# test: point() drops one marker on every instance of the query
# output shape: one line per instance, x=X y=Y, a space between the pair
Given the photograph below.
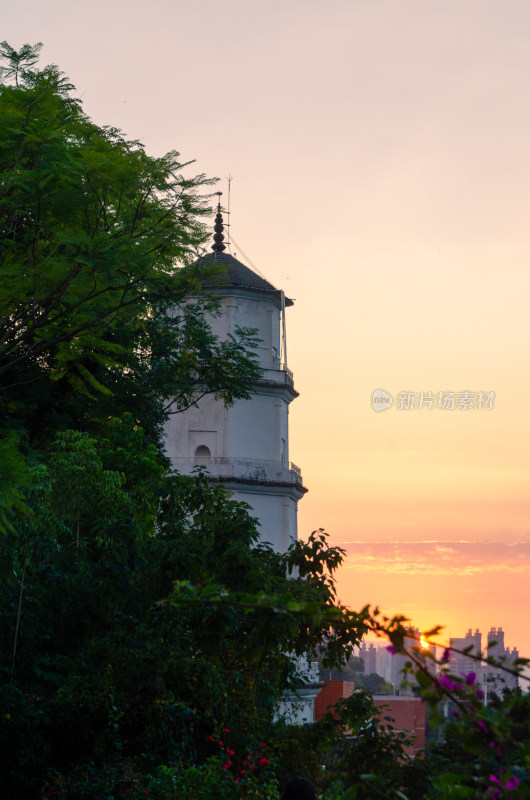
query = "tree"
x=102 y=315
x=98 y=243
x=348 y=672
x=91 y=229
x=375 y=684
x=19 y=62
x=136 y=644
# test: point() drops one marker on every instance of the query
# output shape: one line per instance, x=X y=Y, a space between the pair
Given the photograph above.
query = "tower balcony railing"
x=248 y=468
x=276 y=372
x=307 y=670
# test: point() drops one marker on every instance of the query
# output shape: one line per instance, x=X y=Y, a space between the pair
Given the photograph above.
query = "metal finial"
x=229 y=179
x=218 y=236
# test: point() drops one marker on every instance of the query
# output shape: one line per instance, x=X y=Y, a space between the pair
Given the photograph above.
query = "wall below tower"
x=276 y=515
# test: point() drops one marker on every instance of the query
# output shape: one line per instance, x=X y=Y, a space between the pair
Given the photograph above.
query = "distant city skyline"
x=378 y=658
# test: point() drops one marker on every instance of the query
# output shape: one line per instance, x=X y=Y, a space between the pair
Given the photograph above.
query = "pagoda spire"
x=218 y=236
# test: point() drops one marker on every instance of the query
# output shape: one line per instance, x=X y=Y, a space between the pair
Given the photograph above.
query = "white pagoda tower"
x=246 y=446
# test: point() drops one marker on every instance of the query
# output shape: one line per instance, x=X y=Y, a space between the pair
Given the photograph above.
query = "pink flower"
x=262 y=744
x=230 y=752
x=227 y=765
x=494 y=779
x=446 y=656
x=447 y=683
x=471 y=678
x=226 y=730
x=263 y=761
x=512 y=783
x=391 y=649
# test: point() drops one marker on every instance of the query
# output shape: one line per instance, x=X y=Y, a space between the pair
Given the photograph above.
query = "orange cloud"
x=458 y=584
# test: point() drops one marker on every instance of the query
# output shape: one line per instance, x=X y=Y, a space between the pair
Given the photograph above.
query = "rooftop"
x=233 y=273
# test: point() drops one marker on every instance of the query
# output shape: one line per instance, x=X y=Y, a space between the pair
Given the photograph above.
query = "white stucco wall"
x=259 y=425
x=249 y=440
x=256 y=428
x=245 y=311
x=277 y=514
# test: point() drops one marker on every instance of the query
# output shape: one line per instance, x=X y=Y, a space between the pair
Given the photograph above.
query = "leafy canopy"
x=90 y=229
x=101 y=308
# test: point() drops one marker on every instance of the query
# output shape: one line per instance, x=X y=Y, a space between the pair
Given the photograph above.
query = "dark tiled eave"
x=234 y=274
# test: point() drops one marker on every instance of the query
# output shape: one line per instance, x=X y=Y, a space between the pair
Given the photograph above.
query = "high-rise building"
x=469 y=645
x=391 y=665
x=491 y=678
x=368 y=653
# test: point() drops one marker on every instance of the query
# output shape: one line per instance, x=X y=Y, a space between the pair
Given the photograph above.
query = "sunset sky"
x=380 y=154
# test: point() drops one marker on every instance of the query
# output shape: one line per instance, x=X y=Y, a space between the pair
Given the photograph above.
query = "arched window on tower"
x=202 y=455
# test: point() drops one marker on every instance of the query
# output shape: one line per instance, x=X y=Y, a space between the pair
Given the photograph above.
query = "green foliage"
x=352 y=752
x=98 y=243
x=19 y=62
x=353 y=670
x=485 y=751
x=14 y=477
x=80 y=485
x=375 y=684
x=91 y=228
x=226 y=774
x=114 y=665
x=148 y=636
